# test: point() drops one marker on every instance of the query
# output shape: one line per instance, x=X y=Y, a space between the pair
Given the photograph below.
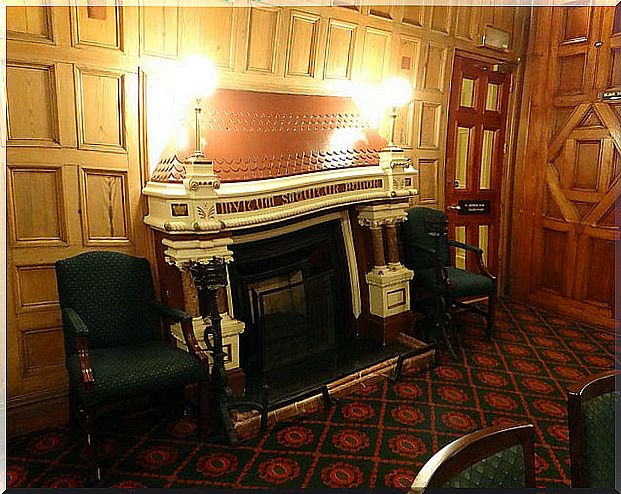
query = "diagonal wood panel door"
x=575 y=231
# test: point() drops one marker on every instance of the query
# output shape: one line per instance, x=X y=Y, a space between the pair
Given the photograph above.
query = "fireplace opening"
x=291 y=293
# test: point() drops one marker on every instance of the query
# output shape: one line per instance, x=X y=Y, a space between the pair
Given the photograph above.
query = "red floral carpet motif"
x=378 y=437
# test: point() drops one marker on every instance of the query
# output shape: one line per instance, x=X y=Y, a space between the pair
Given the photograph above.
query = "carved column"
x=393 y=244
x=180 y=253
x=389 y=284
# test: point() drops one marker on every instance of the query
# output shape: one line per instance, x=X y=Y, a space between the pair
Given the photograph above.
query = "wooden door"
x=570 y=182
x=475 y=152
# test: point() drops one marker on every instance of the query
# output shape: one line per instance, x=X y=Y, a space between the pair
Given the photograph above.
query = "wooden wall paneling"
x=442 y=18
x=159 y=30
x=42 y=351
x=529 y=179
x=35 y=287
x=430 y=125
x=467 y=20
x=31 y=23
x=210 y=31
x=375 y=55
x=105 y=207
x=428 y=180
x=340 y=50
x=384 y=11
x=37 y=214
x=408 y=58
x=101 y=109
x=32 y=105
x=302 y=44
x=435 y=67
x=98 y=26
x=263 y=30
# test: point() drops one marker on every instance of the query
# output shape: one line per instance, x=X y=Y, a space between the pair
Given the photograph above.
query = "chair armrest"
x=479 y=252
x=172 y=312
x=461 y=245
x=75 y=324
x=428 y=250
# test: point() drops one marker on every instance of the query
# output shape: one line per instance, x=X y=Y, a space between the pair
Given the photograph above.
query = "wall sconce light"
x=395 y=92
x=199 y=81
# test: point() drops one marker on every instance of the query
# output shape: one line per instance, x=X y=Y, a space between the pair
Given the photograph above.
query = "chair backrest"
x=591 y=417
x=494 y=457
x=108 y=290
x=427 y=228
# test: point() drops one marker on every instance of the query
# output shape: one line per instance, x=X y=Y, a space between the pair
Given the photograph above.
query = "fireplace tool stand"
x=209 y=278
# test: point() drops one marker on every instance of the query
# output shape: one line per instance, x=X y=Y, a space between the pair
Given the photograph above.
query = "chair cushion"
x=504 y=469
x=134 y=370
x=462 y=283
x=599 y=435
x=468 y=284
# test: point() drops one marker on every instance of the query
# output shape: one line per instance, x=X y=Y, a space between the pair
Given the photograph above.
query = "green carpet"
x=378 y=437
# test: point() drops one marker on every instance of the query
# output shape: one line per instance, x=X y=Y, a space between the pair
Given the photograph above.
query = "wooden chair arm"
x=84 y=361
x=192 y=342
x=479 y=253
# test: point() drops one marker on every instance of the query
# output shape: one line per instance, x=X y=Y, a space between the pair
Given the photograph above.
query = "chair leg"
x=443 y=327
x=491 y=315
x=204 y=398
x=88 y=417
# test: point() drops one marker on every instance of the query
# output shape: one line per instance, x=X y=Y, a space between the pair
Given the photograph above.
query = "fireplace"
x=292 y=295
x=300 y=197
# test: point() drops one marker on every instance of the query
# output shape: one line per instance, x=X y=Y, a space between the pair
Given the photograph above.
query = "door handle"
x=454 y=208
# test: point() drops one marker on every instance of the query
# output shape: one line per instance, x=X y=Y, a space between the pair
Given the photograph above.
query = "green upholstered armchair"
x=591 y=417
x=494 y=457
x=113 y=337
x=426 y=245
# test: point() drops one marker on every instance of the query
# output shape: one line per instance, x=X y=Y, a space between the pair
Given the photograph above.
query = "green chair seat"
x=132 y=370
x=462 y=283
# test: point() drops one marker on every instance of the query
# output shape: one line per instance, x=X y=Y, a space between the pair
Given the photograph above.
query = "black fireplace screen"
x=290 y=292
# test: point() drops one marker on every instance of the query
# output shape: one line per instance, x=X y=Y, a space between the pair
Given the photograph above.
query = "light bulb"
x=396 y=91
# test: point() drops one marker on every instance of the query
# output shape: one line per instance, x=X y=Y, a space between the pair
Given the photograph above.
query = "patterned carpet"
x=378 y=437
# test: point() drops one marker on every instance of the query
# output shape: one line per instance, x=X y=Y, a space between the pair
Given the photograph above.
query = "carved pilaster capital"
x=380 y=215
x=181 y=252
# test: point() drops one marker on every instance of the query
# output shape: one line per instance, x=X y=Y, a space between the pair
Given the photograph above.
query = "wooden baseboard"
x=580 y=311
x=36 y=411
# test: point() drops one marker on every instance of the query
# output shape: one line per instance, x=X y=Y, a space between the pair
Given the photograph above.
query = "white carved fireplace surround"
x=214 y=215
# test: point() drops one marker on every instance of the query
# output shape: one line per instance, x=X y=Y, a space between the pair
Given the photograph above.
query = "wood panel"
x=441 y=17
x=428 y=180
x=302 y=52
x=340 y=47
x=414 y=15
x=160 y=30
x=32 y=105
x=262 y=31
x=98 y=25
x=435 y=65
x=36 y=287
x=209 y=31
x=375 y=55
x=36 y=199
x=105 y=207
x=429 y=134
x=101 y=109
x=42 y=349
x=32 y=23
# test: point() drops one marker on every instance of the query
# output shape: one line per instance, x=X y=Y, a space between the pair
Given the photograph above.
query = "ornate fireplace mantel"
x=268 y=167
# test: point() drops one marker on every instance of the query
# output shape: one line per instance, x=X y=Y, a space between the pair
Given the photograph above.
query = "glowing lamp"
x=395 y=92
x=201 y=79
